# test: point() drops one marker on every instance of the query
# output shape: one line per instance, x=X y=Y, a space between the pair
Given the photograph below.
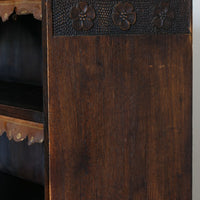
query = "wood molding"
x=18 y=130
x=21 y=7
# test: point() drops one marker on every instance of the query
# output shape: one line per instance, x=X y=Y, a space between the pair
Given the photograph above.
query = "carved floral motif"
x=123 y=15
x=163 y=16
x=82 y=16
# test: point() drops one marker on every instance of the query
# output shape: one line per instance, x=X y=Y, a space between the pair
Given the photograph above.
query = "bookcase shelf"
x=21 y=101
x=21 y=112
x=12 y=187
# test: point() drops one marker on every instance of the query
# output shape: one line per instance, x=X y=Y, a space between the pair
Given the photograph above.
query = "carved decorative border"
x=19 y=130
x=73 y=17
x=7 y=7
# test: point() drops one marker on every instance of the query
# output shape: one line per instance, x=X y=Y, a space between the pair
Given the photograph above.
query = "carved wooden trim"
x=119 y=17
x=18 y=130
x=21 y=7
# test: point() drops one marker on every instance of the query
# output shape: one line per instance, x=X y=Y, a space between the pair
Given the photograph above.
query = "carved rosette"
x=19 y=130
x=123 y=15
x=82 y=17
x=7 y=7
x=163 y=16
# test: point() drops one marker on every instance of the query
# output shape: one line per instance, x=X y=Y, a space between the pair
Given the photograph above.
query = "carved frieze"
x=100 y=17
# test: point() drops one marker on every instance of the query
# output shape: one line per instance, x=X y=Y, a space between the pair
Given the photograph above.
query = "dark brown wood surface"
x=21 y=113
x=120 y=117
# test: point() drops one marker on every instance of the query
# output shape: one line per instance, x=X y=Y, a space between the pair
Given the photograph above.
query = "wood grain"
x=21 y=113
x=119 y=117
x=21 y=7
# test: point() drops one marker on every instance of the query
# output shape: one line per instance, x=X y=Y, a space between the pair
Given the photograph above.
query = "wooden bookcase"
x=21 y=100
x=95 y=99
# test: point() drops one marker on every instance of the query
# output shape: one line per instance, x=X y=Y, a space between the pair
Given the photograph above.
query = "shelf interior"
x=21 y=101
x=21 y=79
x=23 y=161
x=16 y=188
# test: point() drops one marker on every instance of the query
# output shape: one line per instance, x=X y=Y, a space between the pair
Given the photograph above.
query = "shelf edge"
x=19 y=130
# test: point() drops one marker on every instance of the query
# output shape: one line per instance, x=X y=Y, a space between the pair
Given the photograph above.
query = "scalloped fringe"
x=21 y=8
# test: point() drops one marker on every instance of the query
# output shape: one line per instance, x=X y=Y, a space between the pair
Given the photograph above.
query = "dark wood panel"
x=119 y=117
x=45 y=97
